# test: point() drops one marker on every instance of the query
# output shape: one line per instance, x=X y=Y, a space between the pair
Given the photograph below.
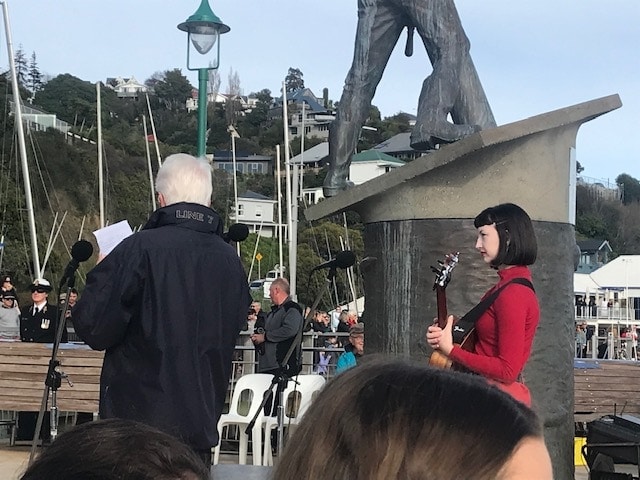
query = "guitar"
x=465 y=337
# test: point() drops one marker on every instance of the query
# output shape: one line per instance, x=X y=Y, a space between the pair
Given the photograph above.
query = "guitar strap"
x=466 y=323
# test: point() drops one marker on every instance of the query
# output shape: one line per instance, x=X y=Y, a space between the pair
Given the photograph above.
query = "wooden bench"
x=605 y=387
x=23 y=370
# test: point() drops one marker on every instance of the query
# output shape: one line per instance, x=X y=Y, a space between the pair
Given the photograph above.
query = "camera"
x=259 y=330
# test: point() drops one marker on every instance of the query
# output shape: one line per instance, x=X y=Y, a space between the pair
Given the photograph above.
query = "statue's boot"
x=426 y=135
x=343 y=139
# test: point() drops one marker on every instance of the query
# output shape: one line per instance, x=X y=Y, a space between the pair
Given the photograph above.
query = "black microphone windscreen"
x=345 y=259
x=81 y=250
x=238 y=232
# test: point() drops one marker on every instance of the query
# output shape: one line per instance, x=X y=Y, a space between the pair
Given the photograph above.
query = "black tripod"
x=54 y=376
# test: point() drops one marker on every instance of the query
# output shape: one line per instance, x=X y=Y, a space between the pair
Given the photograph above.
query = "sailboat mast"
x=153 y=130
x=146 y=143
x=291 y=199
x=100 y=169
x=22 y=145
x=280 y=258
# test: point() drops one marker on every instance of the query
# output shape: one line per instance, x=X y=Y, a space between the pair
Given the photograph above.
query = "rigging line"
x=36 y=156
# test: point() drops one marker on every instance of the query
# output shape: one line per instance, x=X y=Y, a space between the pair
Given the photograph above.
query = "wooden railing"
x=23 y=371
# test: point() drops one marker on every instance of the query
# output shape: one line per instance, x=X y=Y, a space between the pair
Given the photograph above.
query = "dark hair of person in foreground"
x=116 y=449
x=390 y=419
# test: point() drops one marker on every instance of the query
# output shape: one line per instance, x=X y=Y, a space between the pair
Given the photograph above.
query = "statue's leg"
x=379 y=27
x=441 y=31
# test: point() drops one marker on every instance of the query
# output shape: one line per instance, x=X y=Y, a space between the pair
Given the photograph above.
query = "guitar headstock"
x=443 y=271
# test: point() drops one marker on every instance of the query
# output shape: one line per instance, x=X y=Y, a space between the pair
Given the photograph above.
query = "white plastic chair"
x=307 y=388
x=257 y=384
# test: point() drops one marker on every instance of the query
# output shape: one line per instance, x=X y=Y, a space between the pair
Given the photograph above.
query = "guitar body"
x=467 y=343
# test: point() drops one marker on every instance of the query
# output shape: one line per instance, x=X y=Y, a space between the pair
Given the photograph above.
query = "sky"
x=531 y=57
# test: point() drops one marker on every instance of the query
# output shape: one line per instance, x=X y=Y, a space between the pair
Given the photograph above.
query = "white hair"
x=185 y=178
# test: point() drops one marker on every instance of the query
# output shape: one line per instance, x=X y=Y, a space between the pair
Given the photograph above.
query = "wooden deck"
x=23 y=370
x=605 y=387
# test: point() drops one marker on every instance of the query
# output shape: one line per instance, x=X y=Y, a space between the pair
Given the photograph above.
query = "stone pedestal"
x=416 y=214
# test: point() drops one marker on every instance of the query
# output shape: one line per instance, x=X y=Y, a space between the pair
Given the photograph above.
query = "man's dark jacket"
x=167 y=305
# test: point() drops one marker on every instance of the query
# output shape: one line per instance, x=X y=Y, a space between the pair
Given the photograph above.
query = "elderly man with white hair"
x=167 y=305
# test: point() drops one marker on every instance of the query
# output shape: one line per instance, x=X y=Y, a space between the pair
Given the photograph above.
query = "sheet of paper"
x=109 y=237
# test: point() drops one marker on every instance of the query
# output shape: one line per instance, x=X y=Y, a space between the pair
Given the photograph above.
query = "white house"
x=126 y=87
x=257 y=212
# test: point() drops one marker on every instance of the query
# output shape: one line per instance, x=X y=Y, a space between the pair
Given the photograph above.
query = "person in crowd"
x=381 y=429
x=168 y=350
x=9 y=315
x=281 y=328
x=7 y=286
x=116 y=449
x=353 y=350
x=39 y=321
x=321 y=322
x=38 y=324
x=581 y=341
x=505 y=331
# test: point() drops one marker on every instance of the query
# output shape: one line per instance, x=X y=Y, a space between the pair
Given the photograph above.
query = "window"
x=258 y=211
x=240 y=210
x=294 y=130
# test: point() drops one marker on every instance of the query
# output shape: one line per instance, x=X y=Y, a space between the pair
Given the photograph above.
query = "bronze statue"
x=452 y=88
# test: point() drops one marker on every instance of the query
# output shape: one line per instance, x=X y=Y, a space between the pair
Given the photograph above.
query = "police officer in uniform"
x=38 y=323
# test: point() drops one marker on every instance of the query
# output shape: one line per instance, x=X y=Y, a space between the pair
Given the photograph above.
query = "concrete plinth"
x=416 y=214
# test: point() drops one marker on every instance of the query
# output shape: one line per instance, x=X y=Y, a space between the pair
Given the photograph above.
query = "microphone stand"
x=54 y=376
x=281 y=379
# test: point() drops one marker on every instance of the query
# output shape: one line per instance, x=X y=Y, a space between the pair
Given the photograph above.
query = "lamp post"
x=203 y=29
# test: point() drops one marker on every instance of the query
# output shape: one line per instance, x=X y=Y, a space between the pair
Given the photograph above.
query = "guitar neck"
x=441 y=297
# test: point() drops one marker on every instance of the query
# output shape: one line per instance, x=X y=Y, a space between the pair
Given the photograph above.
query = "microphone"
x=237 y=232
x=344 y=259
x=80 y=251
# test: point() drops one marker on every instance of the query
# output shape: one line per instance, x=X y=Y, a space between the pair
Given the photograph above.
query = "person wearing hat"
x=38 y=324
x=7 y=286
x=352 y=350
x=9 y=315
x=39 y=321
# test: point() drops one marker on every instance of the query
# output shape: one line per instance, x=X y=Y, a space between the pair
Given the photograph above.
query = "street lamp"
x=203 y=29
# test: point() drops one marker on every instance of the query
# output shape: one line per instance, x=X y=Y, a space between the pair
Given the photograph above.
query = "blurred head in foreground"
x=394 y=419
x=116 y=449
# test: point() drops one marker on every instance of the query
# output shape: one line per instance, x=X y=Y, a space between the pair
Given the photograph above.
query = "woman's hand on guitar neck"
x=441 y=339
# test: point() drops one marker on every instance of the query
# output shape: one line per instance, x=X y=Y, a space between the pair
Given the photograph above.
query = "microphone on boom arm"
x=80 y=252
x=344 y=259
x=238 y=232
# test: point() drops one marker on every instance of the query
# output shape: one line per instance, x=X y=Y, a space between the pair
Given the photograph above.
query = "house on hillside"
x=126 y=87
x=38 y=120
x=398 y=147
x=245 y=102
x=306 y=111
x=247 y=163
x=257 y=212
x=364 y=166
x=594 y=254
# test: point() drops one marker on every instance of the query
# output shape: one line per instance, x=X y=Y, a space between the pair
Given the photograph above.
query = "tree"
x=22 y=68
x=34 y=76
x=233 y=106
x=172 y=90
x=293 y=81
x=213 y=82
x=630 y=187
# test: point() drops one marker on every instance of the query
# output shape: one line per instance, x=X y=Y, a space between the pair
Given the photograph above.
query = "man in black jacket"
x=168 y=349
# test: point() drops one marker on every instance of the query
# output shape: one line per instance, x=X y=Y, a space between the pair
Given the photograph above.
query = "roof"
x=593 y=245
x=317 y=153
x=227 y=155
x=583 y=283
x=253 y=195
x=375 y=156
x=621 y=272
x=396 y=144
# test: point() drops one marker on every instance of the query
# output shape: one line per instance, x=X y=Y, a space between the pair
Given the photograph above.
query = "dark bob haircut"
x=518 y=244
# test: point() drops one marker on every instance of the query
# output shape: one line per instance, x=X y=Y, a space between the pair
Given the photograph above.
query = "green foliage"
x=293 y=81
x=173 y=90
x=630 y=188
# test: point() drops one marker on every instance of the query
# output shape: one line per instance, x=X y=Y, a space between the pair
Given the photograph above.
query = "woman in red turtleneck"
x=505 y=331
